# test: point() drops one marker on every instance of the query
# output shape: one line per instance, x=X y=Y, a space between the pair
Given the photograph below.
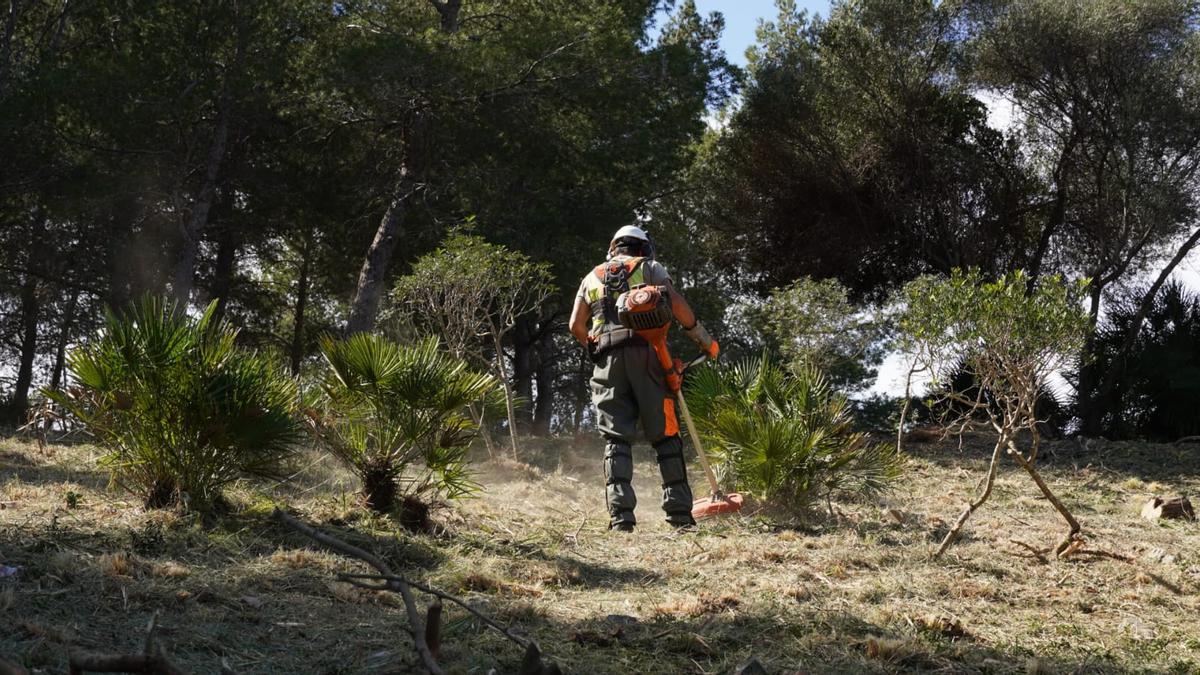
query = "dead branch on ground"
x=426 y=634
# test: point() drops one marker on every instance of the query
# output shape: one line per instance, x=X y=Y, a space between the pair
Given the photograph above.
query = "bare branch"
x=394 y=583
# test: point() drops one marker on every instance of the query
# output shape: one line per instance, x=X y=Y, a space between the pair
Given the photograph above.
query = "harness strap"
x=616 y=339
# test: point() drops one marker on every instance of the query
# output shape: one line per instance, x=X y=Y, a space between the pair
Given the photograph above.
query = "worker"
x=628 y=381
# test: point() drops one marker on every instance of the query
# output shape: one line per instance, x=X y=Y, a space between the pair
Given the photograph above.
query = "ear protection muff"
x=647 y=251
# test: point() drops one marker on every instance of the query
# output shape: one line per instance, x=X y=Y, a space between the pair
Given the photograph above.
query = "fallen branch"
x=426 y=635
x=356 y=579
x=394 y=583
x=1037 y=553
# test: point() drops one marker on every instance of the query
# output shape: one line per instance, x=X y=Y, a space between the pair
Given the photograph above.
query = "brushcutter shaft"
x=691 y=427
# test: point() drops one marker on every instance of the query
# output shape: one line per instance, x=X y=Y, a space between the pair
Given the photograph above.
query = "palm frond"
x=179 y=406
x=398 y=410
x=786 y=437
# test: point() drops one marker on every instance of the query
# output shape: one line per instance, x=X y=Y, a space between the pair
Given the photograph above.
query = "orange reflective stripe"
x=669 y=413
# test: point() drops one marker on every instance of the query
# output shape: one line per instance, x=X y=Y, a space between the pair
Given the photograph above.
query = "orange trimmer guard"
x=716 y=505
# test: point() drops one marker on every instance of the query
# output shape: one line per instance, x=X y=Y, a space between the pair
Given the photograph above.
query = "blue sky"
x=741 y=19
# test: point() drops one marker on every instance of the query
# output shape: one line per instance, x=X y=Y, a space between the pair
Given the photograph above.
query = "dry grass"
x=859 y=594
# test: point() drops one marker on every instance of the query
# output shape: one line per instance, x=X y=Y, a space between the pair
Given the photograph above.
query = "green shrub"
x=1003 y=340
x=786 y=438
x=181 y=409
x=396 y=416
x=815 y=325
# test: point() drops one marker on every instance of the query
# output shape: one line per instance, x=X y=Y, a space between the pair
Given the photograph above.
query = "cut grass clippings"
x=855 y=594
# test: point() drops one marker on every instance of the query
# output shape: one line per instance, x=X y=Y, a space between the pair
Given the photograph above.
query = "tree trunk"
x=1089 y=414
x=297 y=348
x=1057 y=213
x=30 y=313
x=373 y=275
x=64 y=337
x=227 y=247
x=1058 y=505
x=990 y=480
x=543 y=410
x=191 y=229
x=477 y=414
x=117 y=265
x=502 y=370
x=524 y=344
x=448 y=10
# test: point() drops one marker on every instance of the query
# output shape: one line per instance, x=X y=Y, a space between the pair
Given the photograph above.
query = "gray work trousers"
x=628 y=387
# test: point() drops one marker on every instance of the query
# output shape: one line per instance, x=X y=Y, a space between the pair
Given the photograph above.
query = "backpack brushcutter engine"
x=646 y=310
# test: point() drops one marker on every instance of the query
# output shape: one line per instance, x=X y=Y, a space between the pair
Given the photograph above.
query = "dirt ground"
x=856 y=593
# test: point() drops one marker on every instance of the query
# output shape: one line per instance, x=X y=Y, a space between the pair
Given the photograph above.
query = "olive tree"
x=1011 y=340
x=816 y=326
x=471 y=293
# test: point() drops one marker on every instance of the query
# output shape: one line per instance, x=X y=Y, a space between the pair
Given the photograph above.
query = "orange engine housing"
x=644 y=308
x=647 y=311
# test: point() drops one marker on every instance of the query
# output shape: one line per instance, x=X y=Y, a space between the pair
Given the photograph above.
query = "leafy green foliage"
x=1009 y=338
x=470 y=292
x=860 y=154
x=787 y=438
x=395 y=414
x=180 y=407
x=815 y=326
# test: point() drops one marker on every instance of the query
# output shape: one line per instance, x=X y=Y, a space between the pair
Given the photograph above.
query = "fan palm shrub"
x=180 y=407
x=396 y=415
x=787 y=438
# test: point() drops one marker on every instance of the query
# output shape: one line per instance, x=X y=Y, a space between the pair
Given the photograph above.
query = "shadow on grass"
x=266 y=616
x=27 y=469
x=579 y=572
x=809 y=640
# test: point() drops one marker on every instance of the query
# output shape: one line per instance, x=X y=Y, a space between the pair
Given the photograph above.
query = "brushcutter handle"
x=695 y=362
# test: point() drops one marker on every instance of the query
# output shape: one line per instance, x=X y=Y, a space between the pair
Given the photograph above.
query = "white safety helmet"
x=630 y=232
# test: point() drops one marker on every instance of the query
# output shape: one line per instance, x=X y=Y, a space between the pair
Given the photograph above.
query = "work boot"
x=677 y=494
x=618 y=472
x=621 y=527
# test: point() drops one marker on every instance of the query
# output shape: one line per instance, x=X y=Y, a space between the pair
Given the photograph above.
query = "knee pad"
x=669 y=453
x=618 y=462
